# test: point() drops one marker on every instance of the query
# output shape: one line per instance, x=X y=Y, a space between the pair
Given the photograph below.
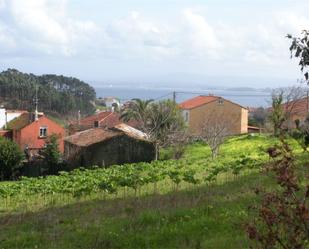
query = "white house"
x=111 y=103
x=8 y=115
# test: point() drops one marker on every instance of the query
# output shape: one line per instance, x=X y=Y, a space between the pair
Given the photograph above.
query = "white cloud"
x=2 y=4
x=135 y=29
x=267 y=43
x=291 y=22
x=6 y=39
x=201 y=35
x=137 y=37
x=46 y=26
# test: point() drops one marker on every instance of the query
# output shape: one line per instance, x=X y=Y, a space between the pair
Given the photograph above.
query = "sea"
x=244 y=96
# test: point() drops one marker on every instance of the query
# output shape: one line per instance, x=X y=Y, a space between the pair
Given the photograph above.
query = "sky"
x=219 y=42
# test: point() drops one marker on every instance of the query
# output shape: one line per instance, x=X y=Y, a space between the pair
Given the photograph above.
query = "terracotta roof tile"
x=202 y=100
x=131 y=132
x=298 y=107
x=96 y=135
x=105 y=119
x=197 y=101
x=91 y=136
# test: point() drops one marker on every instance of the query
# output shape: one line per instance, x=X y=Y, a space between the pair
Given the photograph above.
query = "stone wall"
x=117 y=150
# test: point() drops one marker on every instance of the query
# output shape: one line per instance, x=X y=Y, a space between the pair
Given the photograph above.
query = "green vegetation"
x=51 y=154
x=195 y=202
x=162 y=121
x=10 y=158
x=57 y=94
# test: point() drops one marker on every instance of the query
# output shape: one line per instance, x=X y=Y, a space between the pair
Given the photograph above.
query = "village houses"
x=201 y=109
x=29 y=130
x=104 y=139
x=297 y=111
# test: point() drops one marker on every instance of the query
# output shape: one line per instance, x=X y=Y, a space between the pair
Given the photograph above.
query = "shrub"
x=10 y=158
x=282 y=218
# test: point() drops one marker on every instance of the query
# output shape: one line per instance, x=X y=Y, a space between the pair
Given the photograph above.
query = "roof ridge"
x=103 y=119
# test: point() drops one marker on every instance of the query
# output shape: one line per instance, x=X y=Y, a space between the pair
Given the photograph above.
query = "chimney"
x=36 y=114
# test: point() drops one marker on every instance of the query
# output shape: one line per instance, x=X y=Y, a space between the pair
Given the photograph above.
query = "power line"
x=174 y=94
x=229 y=95
x=163 y=96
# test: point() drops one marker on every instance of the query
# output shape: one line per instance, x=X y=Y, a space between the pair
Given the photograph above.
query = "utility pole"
x=307 y=102
x=174 y=97
x=36 y=102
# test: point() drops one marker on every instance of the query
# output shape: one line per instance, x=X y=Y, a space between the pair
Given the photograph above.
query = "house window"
x=220 y=101
x=43 y=131
x=96 y=124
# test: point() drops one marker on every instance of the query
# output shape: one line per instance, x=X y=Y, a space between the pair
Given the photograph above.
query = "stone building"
x=107 y=146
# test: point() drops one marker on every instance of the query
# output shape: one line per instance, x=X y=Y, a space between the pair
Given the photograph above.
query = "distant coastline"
x=243 y=95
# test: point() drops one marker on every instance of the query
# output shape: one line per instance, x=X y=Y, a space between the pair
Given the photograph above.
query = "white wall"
x=2 y=117
x=10 y=116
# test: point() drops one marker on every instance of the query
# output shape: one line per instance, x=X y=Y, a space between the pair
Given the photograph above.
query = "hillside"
x=90 y=209
x=57 y=95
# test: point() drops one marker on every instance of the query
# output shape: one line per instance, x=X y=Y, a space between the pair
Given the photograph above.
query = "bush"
x=281 y=220
x=10 y=158
x=52 y=155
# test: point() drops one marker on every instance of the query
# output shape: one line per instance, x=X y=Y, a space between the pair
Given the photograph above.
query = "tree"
x=215 y=130
x=60 y=94
x=177 y=141
x=51 y=154
x=301 y=134
x=159 y=120
x=300 y=49
x=258 y=117
x=277 y=116
x=10 y=158
x=281 y=220
x=284 y=103
x=164 y=124
x=138 y=110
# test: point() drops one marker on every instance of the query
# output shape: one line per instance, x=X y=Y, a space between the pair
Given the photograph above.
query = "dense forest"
x=56 y=94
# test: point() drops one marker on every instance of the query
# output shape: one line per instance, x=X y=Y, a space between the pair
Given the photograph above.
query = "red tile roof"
x=131 y=131
x=96 y=135
x=298 y=107
x=295 y=107
x=89 y=121
x=202 y=100
x=105 y=119
x=91 y=136
x=197 y=101
x=6 y=134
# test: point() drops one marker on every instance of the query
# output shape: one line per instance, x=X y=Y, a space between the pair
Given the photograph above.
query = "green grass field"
x=205 y=215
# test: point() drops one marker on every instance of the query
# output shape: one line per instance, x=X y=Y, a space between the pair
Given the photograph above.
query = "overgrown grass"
x=204 y=216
